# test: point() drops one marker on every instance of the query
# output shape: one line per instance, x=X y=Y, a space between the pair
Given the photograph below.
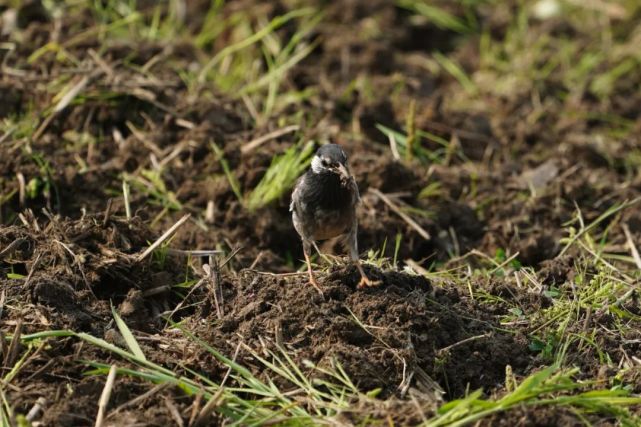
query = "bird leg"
x=351 y=241
x=312 y=279
x=365 y=282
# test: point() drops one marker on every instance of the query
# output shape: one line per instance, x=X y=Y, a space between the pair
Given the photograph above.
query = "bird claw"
x=314 y=283
x=367 y=283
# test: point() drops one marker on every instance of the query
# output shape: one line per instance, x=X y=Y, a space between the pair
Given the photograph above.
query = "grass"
x=244 y=399
x=576 y=83
x=281 y=175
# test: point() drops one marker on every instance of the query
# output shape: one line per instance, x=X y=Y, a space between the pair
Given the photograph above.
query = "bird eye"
x=325 y=163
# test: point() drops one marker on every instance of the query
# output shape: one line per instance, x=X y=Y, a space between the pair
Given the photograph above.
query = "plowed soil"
x=508 y=184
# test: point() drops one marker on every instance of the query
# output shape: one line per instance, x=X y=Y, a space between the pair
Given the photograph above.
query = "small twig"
x=213 y=278
x=78 y=263
x=71 y=94
x=209 y=407
x=107 y=212
x=162 y=238
x=195 y=409
x=104 y=397
x=125 y=195
x=393 y=147
x=139 y=399
x=504 y=263
x=173 y=410
x=194 y=253
x=255 y=143
x=256 y=260
x=140 y=136
x=400 y=213
x=269 y=273
x=66 y=99
x=34 y=267
x=101 y=63
x=12 y=352
x=416 y=267
x=36 y=409
x=181 y=303
x=465 y=341
x=22 y=188
x=11 y=247
x=210 y=212
x=231 y=256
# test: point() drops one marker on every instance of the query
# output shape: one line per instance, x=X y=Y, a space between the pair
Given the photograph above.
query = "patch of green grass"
x=255 y=63
x=231 y=178
x=440 y=17
x=247 y=400
x=399 y=143
x=281 y=175
x=549 y=387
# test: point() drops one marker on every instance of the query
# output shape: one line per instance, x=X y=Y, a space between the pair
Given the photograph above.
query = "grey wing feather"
x=357 y=195
x=295 y=193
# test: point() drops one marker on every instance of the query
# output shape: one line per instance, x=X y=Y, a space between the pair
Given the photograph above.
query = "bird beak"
x=342 y=170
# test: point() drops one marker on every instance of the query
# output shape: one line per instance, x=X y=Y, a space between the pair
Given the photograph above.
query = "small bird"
x=324 y=204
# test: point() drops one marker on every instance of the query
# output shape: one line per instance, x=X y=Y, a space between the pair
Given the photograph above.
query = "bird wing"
x=296 y=193
x=357 y=195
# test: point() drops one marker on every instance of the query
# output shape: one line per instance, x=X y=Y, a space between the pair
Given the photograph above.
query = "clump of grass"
x=281 y=175
x=438 y=16
x=151 y=183
x=548 y=387
x=412 y=146
x=248 y=400
x=233 y=181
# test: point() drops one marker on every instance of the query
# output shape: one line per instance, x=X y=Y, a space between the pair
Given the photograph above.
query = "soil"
x=508 y=188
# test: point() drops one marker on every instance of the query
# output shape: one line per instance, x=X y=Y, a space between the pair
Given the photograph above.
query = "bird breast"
x=325 y=208
x=327 y=191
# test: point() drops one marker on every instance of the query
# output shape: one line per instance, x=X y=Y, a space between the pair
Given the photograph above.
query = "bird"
x=323 y=206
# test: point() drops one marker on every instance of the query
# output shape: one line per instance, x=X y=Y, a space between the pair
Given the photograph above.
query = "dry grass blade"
x=204 y=416
x=12 y=352
x=195 y=252
x=71 y=94
x=125 y=195
x=420 y=230
x=255 y=143
x=36 y=409
x=137 y=400
x=631 y=246
x=162 y=238
x=11 y=247
x=105 y=396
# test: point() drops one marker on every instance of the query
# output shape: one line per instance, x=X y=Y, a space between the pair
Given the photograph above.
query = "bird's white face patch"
x=317 y=165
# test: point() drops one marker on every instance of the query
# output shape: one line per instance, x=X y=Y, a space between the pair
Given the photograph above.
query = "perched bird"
x=324 y=204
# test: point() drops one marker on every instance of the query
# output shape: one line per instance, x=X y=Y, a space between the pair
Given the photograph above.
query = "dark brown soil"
x=513 y=179
x=381 y=336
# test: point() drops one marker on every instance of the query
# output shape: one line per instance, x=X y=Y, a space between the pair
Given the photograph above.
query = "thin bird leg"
x=352 y=242
x=365 y=282
x=312 y=279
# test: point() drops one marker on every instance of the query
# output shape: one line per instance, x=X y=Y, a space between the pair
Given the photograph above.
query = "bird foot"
x=367 y=283
x=314 y=283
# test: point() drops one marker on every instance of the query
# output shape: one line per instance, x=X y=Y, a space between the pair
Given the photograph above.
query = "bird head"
x=331 y=158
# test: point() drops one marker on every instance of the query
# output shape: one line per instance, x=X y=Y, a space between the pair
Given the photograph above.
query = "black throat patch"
x=326 y=191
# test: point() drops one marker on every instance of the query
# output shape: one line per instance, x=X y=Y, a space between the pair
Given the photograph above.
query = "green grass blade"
x=131 y=342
